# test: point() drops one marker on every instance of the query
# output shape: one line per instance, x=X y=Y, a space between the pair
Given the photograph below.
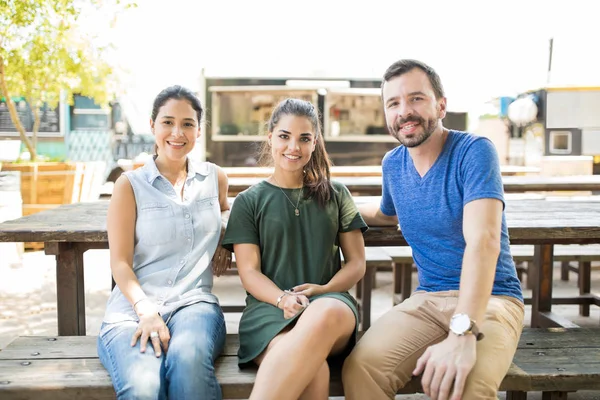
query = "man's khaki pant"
x=383 y=360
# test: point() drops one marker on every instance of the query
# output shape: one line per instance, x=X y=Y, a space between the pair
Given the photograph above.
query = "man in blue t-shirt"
x=461 y=327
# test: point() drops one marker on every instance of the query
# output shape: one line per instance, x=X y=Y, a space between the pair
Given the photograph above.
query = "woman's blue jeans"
x=186 y=371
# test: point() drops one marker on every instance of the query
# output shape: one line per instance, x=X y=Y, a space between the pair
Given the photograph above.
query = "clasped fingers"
x=292 y=305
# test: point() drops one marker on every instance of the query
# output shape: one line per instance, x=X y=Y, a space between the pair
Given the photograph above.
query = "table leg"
x=541 y=275
x=367 y=290
x=585 y=285
x=407 y=272
x=70 y=293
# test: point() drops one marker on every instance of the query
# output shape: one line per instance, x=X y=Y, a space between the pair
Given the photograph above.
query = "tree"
x=45 y=54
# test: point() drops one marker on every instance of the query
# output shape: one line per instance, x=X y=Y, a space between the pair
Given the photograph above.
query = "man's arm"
x=482 y=223
x=373 y=216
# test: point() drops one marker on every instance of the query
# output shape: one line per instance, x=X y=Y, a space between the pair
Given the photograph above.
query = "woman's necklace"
x=296 y=210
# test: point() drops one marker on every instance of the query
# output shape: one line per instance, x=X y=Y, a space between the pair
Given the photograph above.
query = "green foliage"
x=45 y=53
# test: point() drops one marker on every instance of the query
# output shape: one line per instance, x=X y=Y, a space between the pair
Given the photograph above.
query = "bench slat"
x=547 y=360
x=560 y=369
x=78 y=378
x=61 y=347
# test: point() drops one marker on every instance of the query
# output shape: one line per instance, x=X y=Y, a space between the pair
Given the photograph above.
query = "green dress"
x=294 y=250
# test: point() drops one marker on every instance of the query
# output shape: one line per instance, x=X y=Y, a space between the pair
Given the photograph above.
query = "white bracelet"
x=280 y=298
x=136 y=303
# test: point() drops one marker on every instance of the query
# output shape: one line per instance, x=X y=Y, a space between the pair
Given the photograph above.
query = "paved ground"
x=28 y=301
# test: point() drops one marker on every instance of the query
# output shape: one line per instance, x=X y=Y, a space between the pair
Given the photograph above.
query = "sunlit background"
x=481 y=49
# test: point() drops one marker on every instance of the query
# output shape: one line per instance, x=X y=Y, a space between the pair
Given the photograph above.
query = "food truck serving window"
x=242 y=113
x=354 y=113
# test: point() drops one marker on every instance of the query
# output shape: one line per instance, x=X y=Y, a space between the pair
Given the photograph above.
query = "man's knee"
x=362 y=363
x=481 y=386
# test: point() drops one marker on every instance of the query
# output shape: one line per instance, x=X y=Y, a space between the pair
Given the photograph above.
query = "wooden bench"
x=554 y=361
x=583 y=254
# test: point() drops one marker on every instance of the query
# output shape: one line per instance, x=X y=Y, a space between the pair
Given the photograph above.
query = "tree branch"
x=14 y=116
x=35 y=110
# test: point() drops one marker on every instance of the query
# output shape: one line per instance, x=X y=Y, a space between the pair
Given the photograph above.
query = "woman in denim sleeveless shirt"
x=163 y=328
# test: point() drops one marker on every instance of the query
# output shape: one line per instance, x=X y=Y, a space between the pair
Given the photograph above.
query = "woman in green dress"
x=287 y=232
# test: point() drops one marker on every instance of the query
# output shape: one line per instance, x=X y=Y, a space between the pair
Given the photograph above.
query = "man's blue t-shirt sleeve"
x=480 y=172
x=387 y=203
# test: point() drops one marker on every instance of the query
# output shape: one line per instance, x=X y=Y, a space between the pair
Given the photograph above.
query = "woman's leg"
x=318 y=388
x=134 y=375
x=197 y=339
x=293 y=362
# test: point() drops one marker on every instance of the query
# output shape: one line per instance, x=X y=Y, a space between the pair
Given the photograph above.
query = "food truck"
x=351 y=111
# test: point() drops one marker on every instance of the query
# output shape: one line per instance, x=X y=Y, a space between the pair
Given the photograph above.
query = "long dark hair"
x=176 y=92
x=317 y=175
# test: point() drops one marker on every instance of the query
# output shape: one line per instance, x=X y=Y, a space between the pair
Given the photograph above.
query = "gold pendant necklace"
x=296 y=210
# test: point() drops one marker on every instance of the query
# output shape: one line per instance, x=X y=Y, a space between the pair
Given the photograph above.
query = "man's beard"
x=429 y=126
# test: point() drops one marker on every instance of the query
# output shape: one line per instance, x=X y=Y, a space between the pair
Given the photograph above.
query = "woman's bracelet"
x=280 y=298
x=136 y=303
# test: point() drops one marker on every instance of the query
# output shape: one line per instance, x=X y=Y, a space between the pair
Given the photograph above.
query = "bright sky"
x=481 y=49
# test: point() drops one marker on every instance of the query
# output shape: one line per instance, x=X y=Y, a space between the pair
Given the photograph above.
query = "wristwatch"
x=461 y=324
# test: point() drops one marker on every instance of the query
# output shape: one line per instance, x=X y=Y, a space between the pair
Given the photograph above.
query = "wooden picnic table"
x=70 y=230
x=371 y=185
x=537 y=183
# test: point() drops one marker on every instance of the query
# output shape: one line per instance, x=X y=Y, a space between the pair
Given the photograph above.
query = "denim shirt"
x=175 y=240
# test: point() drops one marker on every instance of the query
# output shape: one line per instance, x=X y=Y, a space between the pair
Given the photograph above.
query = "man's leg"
x=502 y=329
x=384 y=358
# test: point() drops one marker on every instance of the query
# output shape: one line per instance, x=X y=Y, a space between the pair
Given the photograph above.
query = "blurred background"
x=242 y=57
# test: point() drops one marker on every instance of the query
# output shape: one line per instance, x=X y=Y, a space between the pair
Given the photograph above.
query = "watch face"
x=460 y=323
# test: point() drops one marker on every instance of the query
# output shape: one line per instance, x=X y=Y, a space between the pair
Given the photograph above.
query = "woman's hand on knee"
x=292 y=304
x=154 y=328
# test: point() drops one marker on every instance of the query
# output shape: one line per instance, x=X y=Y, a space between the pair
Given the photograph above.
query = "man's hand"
x=308 y=289
x=447 y=364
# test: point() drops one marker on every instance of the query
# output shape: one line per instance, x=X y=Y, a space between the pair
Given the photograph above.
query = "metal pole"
x=550 y=61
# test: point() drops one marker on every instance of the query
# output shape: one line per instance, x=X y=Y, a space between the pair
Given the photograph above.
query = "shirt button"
x=181 y=262
x=169 y=281
x=187 y=215
x=189 y=240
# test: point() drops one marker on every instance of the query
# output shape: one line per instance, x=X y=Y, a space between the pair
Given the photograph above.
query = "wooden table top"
x=529 y=222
